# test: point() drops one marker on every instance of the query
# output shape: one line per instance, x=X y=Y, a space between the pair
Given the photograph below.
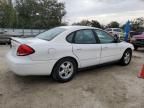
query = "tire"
x=135 y=47
x=64 y=70
x=126 y=59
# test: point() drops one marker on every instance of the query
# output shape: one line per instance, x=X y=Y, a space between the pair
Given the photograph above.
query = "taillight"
x=24 y=50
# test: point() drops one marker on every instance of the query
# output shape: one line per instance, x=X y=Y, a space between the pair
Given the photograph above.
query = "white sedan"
x=60 y=51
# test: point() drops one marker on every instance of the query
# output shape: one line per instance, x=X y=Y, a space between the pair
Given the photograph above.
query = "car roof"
x=77 y=27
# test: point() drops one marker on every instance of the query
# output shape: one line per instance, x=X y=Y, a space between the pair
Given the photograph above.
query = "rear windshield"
x=50 y=34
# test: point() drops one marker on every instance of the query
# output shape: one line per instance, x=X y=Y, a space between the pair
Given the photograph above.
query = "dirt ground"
x=110 y=86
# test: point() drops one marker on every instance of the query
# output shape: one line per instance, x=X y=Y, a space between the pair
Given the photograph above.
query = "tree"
x=83 y=23
x=92 y=23
x=95 y=23
x=113 y=24
x=31 y=13
x=7 y=14
x=138 y=24
x=40 y=13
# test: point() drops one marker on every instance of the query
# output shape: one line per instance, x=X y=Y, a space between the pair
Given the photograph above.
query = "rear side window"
x=84 y=37
x=50 y=34
x=70 y=38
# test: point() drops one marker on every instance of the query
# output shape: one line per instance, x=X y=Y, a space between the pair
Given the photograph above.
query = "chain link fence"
x=21 y=32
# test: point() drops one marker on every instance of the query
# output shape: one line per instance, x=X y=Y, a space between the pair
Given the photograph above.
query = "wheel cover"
x=127 y=57
x=66 y=70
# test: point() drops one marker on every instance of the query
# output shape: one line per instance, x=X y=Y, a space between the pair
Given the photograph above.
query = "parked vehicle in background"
x=133 y=33
x=60 y=51
x=138 y=40
x=4 y=39
x=116 y=32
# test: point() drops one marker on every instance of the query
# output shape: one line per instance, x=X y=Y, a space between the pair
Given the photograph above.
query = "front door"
x=111 y=50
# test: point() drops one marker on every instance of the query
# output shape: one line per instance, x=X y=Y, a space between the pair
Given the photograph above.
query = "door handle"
x=79 y=49
x=105 y=47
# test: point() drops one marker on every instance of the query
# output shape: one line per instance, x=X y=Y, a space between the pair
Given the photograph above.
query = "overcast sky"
x=104 y=11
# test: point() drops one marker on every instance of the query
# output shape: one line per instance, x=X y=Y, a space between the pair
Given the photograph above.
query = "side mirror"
x=116 y=39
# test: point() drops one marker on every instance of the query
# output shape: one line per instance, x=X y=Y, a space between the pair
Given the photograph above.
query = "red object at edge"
x=141 y=74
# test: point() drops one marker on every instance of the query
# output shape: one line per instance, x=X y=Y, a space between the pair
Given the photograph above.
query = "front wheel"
x=126 y=59
x=64 y=70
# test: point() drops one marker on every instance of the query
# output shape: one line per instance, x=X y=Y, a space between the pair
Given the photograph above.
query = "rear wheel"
x=126 y=59
x=64 y=70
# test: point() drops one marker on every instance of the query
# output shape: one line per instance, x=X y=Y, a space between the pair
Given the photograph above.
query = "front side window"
x=84 y=37
x=50 y=34
x=104 y=37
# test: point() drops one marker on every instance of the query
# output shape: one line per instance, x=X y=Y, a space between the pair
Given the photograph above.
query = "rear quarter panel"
x=52 y=51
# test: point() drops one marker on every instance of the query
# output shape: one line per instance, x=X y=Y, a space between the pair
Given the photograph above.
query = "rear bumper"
x=24 y=67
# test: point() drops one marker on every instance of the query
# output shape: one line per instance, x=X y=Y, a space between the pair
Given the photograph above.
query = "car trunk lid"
x=16 y=42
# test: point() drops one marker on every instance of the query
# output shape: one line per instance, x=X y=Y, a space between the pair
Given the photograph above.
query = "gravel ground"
x=110 y=86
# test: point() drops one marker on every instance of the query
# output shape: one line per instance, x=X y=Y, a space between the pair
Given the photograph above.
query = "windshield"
x=50 y=34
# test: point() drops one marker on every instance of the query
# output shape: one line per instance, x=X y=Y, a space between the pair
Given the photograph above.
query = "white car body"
x=47 y=53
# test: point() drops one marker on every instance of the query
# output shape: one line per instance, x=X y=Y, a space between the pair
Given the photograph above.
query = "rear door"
x=111 y=50
x=86 y=48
